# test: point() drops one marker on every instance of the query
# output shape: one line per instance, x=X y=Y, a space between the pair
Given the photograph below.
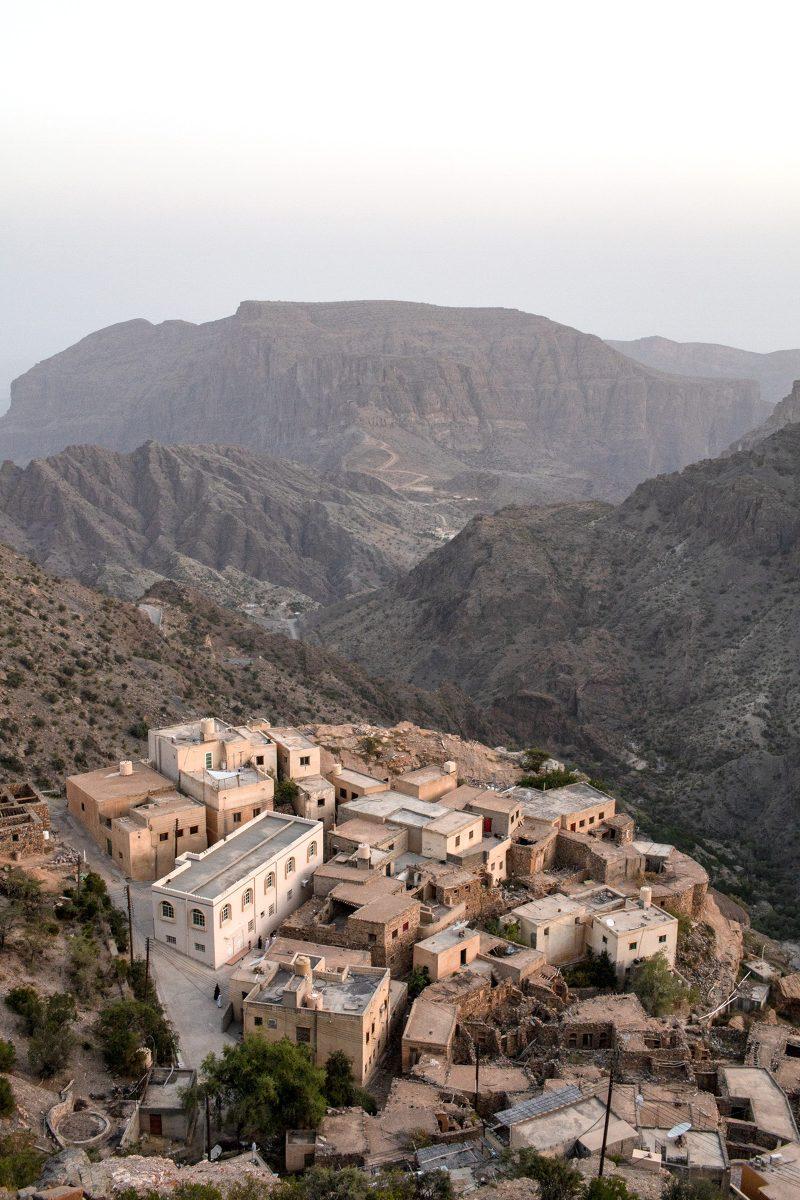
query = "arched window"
x=167 y=910
x=224 y=913
x=247 y=897
x=198 y=918
x=312 y=851
x=269 y=881
x=289 y=867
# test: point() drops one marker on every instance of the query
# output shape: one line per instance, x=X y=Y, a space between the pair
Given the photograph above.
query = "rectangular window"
x=370 y=937
x=546 y=931
x=163 y=837
x=591 y=820
x=394 y=934
x=471 y=834
x=200 y=947
x=109 y=847
x=303 y=1034
x=256 y=812
x=173 y=941
x=605 y=940
x=320 y=802
x=632 y=945
x=405 y=926
x=342 y=793
x=258 y=1021
x=237 y=818
x=290 y=893
x=259 y=760
x=662 y=937
x=209 y=760
x=272 y=910
x=572 y=827
x=178 y=833
x=305 y=760
x=251 y=926
x=83 y=807
x=458 y=839
x=600 y=816
x=581 y=823
x=194 y=829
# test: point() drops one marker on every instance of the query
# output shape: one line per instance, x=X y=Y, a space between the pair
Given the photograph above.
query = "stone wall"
x=21 y=832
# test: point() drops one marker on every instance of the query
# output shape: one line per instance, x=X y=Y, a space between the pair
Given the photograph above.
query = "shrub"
x=8 y=1055
x=286 y=791
x=418 y=980
x=8 y=1105
x=125 y=1026
x=20 y=1161
x=659 y=990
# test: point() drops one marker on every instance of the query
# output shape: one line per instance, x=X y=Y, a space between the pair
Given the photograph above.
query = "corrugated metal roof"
x=539 y=1105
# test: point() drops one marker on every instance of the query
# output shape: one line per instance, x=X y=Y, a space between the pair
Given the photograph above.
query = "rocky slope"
x=218 y=517
x=80 y=672
x=774 y=373
x=787 y=412
x=412 y=392
x=660 y=638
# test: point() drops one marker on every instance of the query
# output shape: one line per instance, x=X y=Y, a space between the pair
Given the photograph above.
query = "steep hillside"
x=218 y=517
x=787 y=412
x=660 y=637
x=411 y=392
x=774 y=373
x=82 y=673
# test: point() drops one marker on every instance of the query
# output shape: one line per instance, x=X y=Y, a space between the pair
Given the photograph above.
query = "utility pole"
x=176 y=838
x=208 y=1129
x=146 y=966
x=130 y=923
x=608 y=1114
x=477 y=1072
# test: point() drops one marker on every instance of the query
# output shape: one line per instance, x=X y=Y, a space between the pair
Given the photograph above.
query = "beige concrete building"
x=578 y=807
x=145 y=843
x=557 y=924
x=231 y=797
x=351 y=784
x=447 y=952
x=430 y=1030
x=406 y=812
x=325 y=1009
x=632 y=935
x=251 y=970
x=211 y=745
x=97 y=797
x=298 y=756
x=501 y=814
x=348 y=837
x=454 y=833
x=218 y=904
x=315 y=800
x=427 y=783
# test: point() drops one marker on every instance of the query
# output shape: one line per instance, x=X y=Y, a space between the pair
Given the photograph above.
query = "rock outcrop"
x=412 y=392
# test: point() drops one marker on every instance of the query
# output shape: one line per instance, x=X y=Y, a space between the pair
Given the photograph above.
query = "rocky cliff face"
x=410 y=391
x=659 y=638
x=787 y=412
x=218 y=517
x=774 y=373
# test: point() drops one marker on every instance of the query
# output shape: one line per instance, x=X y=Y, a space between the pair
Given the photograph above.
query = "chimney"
x=126 y=767
x=645 y=897
x=363 y=856
x=450 y=767
x=336 y=769
x=207 y=729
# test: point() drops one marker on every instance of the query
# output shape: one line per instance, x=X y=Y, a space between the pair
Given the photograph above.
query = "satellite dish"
x=679 y=1130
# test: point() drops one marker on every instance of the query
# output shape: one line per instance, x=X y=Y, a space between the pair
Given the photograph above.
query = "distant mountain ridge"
x=659 y=639
x=774 y=372
x=414 y=393
x=217 y=517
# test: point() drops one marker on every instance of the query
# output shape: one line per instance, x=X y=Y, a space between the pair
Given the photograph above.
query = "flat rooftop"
x=385 y=908
x=549 y=907
x=358 y=779
x=429 y=774
x=358 y=831
x=653 y=849
x=699 y=1148
x=384 y=805
x=623 y=920
x=430 y=1023
x=624 y=1010
x=453 y=822
x=350 y=995
x=191 y=733
x=166 y=803
x=165 y=1086
x=107 y=783
x=225 y=863
x=448 y=938
x=292 y=739
x=560 y=802
x=222 y=780
x=771 y=1110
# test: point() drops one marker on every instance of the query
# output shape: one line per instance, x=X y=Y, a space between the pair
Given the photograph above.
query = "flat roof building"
x=427 y=783
x=218 y=904
x=447 y=952
x=351 y=784
x=578 y=807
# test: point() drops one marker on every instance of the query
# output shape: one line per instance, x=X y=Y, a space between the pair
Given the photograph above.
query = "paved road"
x=185 y=988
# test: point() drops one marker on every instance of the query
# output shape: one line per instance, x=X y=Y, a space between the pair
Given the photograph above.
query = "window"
x=224 y=914
x=572 y=827
x=342 y=794
x=662 y=937
x=259 y=760
x=458 y=839
x=605 y=940
x=237 y=818
x=258 y=1021
x=272 y=1023
x=632 y=945
x=178 y=833
x=581 y=824
x=366 y=1039
x=83 y=807
x=271 y=910
x=303 y=1034
x=394 y=934
x=591 y=820
x=200 y=947
x=577 y=920
x=173 y=941
x=546 y=931
x=109 y=847
x=463 y=958
x=312 y=851
x=600 y=816
x=405 y=926
x=320 y=802
x=471 y=834
x=167 y=910
x=289 y=870
x=290 y=893
x=209 y=760
x=163 y=837
x=198 y=918
x=251 y=926
x=256 y=812
x=370 y=937
x=247 y=897
x=269 y=882
x=305 y=760
x=193 y=829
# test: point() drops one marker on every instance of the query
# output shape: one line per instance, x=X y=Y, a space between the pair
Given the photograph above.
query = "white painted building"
x=215 y=904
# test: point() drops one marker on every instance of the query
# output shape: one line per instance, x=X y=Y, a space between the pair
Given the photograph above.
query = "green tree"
x=8 y=1104
x=418 y=980
x=264 y=1088
x=27 y=1004
x=689 y=1189
x=8 y=1055
x=339 y=1086
x=125 y=1027
x=20 y=1161
x=659 y=990
x=610 y=1188
x=286 y=791
x=23 y=890
x=557 y=1180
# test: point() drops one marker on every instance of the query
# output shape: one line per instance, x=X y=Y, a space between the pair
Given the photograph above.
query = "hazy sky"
x=628 y=168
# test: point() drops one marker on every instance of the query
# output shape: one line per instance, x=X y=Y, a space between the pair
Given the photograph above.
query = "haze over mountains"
x=416 y=393
x=660 y=637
